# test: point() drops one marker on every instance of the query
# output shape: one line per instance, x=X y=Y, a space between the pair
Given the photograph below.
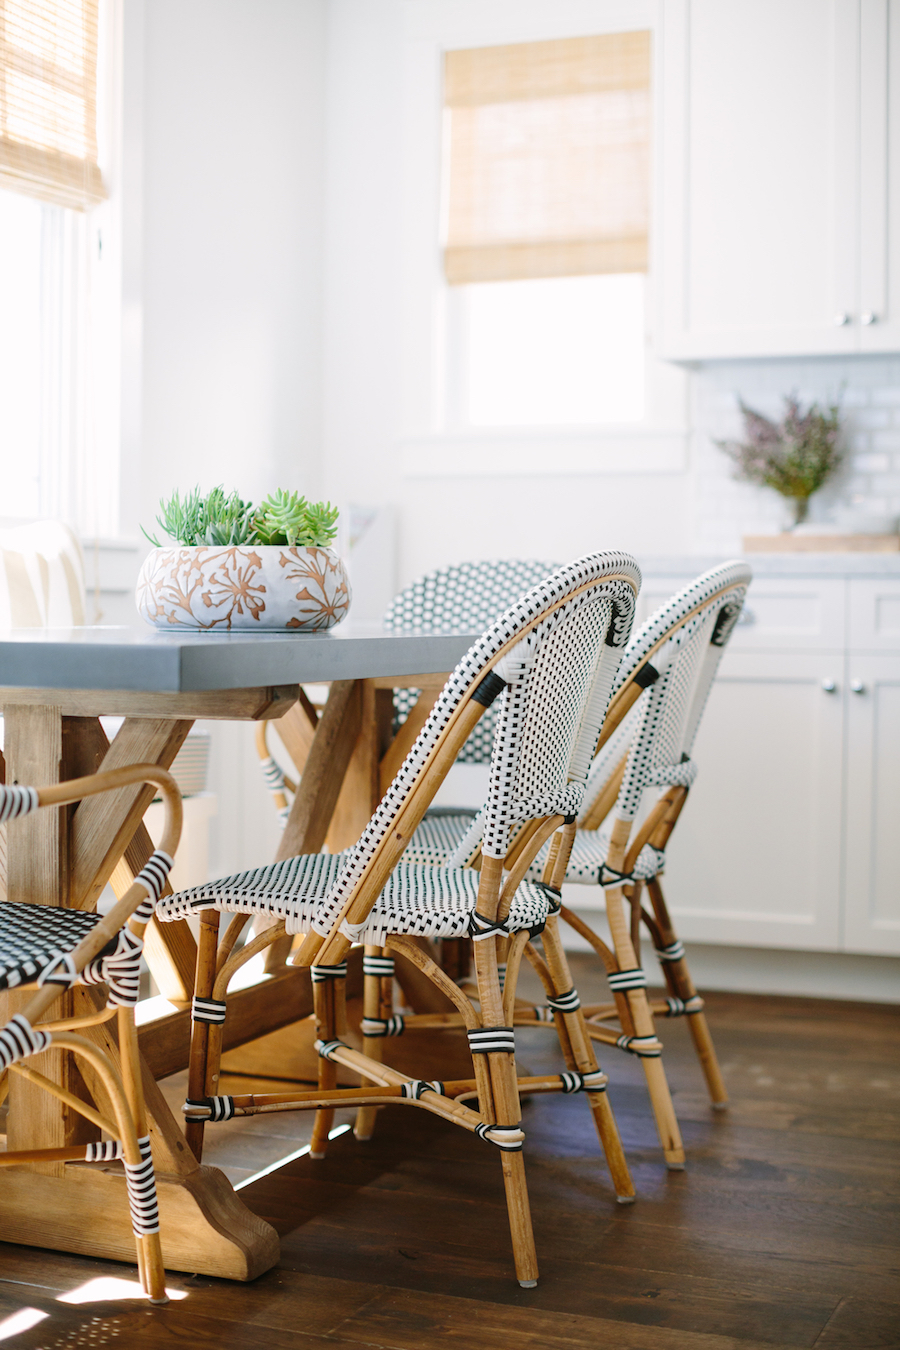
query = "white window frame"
x=80 y=458
x=429 y=445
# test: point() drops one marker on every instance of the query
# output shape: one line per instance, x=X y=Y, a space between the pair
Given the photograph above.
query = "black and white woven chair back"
x=663 y=725
x=553 y=688
x=466 y=597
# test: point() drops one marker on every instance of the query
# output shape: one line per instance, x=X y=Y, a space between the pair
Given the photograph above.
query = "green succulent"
x=214 y=519
x=287 y=518
x=224 y=520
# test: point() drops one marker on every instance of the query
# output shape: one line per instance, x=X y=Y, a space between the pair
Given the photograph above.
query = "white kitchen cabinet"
x=789 y=837
x=755 y=860
x=872 y=859
x=779 y=178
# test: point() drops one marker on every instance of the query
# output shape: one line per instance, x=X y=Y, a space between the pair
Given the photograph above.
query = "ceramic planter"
x=243 y=587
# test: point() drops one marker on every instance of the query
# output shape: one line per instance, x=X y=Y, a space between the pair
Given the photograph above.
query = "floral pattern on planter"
x=243 y=587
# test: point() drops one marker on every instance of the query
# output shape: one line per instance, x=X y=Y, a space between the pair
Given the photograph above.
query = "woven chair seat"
x=33 y=937
x=418 y=899
x=589 y=854
x=439 y=835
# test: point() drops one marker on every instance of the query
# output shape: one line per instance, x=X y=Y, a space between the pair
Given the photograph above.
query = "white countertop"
x=778 y=564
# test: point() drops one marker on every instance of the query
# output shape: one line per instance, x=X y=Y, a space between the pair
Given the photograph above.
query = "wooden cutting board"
x=821 y=543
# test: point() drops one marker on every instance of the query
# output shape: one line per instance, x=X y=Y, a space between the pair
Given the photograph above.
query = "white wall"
x=223 y=219
x=231 y=222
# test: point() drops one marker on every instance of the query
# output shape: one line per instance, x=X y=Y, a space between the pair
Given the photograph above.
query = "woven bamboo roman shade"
x=48 y=100
x=549 y=158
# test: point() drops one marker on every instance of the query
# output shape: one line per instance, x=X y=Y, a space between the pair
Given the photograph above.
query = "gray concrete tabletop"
x=142 y=658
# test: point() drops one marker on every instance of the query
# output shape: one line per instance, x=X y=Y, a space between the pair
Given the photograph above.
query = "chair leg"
x=149 y=1249
x=199 y=1066
x=642 y=1019
x=377 y=1006
x=326 y=1030
x=681 y=986
x=506 y=1110
x=581 y=1056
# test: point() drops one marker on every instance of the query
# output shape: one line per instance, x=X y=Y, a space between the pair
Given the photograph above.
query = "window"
x=20 y=354
x=52 y=461
x=547 y=169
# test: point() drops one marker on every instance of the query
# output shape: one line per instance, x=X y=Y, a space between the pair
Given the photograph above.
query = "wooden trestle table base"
x=54 y=687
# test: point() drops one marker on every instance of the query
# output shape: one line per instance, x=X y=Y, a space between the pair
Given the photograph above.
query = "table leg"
x=337 y=733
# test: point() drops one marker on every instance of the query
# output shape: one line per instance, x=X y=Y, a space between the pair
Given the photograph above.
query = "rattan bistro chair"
x=54 y=948
x=666 y=675
x=658 y=699
x=547 y=666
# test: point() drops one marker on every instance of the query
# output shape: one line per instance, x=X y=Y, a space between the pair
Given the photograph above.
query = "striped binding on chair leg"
x=565 y=1003
x=416 y=1087
x=210 y=1010
x=488 y=1040
x=382 y=1026
x=509 y=1138
x=595 y=1081
x=646 y=1046
x=18 y=1040
x=17 y=801
x=321 y=973
x=626 y=979
x=678 y=1007
x=674 y=951
x=142 y=1200
x=152 y=877
x=216 y=1108
x=382 y=966
x=121 y=970
x=326 y=1049
x=271 y=772
x=108 y=1151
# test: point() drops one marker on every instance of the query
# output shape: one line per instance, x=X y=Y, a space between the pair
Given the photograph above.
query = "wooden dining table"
x=55 y=685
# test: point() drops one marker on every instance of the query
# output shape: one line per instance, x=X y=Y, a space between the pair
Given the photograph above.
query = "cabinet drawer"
x=874 y=618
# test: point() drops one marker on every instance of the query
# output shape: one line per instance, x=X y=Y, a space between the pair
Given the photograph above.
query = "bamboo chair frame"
x=630 y=1018
x=632 y=1013
x=494 y=1088
x=124 y=1088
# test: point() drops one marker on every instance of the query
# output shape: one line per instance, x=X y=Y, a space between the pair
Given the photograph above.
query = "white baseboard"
x=766 y=970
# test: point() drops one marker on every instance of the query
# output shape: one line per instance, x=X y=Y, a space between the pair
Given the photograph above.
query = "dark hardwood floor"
x=783 y=1230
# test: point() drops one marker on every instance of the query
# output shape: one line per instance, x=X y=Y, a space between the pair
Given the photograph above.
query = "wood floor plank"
x=861 y=1325
x=404 y=1320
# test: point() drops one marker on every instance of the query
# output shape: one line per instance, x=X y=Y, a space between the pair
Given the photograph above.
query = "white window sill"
x=526 y=451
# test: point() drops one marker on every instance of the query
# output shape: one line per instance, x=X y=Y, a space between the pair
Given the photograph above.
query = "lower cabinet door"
x=755 y=859
x=872 y=856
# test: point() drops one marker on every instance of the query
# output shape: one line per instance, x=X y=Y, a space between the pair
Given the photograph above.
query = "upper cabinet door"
x=879 y=176
x=766 y=203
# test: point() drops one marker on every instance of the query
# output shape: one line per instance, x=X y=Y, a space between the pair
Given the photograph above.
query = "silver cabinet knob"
x=829 y=686
x=868 y=317
x=857 y=686
x=841 y=320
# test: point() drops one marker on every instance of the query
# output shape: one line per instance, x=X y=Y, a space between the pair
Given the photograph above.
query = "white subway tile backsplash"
x=870 y=419
x=872 y=463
